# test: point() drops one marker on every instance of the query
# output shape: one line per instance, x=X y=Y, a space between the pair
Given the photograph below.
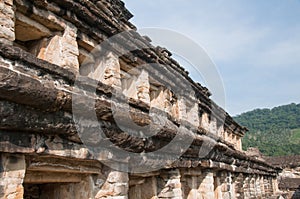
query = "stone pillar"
x=206 y=188
x=275 y=185
x=227 y=187
x=226 y=136
x=61 y=49
x=107 y=70
x=239 y=142
x=12 y=170
x=193 y=116
x=213 y=125
x=161 y=99
x=194 y=193
x=138 y=87
x=262 y=187
x=158 y=98
x=217 y=186
x=181 y=109
x=229 y=137
x=233 y=141
x=172 y=185
x=129 y=87
x=143 y=87
x=258 y=187
x=221 y=131
x=239 y=183
x=246 y=187
x=143 y=187
x=200 y=184
x=168 y=101
x=115 y=187
x=7 y=22
x=233 y=185
x=252 y=187
x=205 y=121
x=268 y=186
x=224 y=187
x=191 y=179
x=223 y=134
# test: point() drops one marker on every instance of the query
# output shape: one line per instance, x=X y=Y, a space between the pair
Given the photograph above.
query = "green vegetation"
x=276 y=132
x=295 y=138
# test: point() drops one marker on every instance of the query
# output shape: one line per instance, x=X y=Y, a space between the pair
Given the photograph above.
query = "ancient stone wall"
x=48 y=50
x=289 y=178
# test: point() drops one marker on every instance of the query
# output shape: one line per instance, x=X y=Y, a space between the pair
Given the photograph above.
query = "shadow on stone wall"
x=1 y=191
x=1 y=175
x=296 y=195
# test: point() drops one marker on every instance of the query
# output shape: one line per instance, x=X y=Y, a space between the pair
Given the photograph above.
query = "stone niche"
x=155 y=185
x=27 y=29
x=163 y=99
x=177 y=106
x=57 y=189
x=48 y=178
x=47 y=37
x=106 y=69
x=135 y=85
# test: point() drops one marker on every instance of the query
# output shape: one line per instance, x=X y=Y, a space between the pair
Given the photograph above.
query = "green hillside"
x=275 y=132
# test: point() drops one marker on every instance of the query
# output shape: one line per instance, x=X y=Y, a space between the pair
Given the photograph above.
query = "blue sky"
x=255 y=44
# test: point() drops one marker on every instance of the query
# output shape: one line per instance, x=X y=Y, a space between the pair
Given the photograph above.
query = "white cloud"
x=281 y=54
x=227 y=45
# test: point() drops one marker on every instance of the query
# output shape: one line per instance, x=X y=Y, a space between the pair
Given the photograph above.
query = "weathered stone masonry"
x=44 y=46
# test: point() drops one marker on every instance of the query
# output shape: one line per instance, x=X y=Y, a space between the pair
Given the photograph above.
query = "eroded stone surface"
x=7 y=18
x=12 y=170
x=45 y=153
x=289 y=178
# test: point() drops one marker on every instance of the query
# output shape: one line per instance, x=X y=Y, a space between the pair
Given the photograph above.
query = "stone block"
x=107 y=70
x=12 y=174
x=27 y=29
x=117 y=177
x=193 y=115
x=120 y=188
x=143 y=87
x=61 y=50
x=7 y=22
x=182 y=110
x=205 y=121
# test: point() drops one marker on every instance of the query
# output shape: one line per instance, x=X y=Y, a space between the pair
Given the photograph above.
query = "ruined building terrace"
x=50 y=56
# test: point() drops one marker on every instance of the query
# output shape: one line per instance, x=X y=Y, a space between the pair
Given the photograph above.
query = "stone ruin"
x=289 y=178
x=49 y=55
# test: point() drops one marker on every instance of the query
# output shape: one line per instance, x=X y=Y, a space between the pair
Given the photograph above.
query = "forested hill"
x=275 y=132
